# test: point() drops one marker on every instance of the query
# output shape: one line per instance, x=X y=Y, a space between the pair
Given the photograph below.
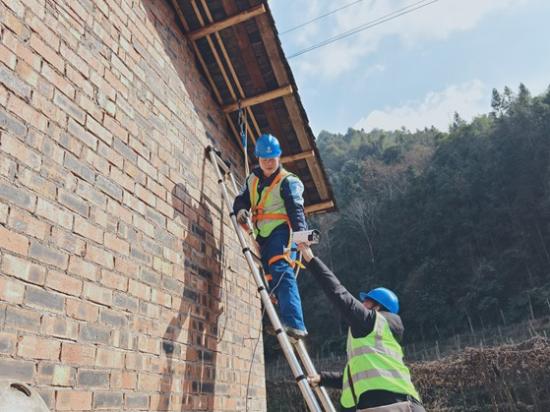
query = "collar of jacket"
x=265 y=180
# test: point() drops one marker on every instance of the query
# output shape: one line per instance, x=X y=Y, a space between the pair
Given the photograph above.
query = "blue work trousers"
x=283 y=282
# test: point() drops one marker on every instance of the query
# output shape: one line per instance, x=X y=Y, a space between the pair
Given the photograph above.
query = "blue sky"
x=418 y=69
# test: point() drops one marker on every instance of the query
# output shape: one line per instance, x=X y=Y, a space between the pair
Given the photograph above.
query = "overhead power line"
x=383 y=19
x=319 y=17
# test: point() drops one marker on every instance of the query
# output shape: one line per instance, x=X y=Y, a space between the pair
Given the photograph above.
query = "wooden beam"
x=276 y=58
x=298 y=156
x=260 y=98
x=249 y=112
x=319 y=207
x=228 y=22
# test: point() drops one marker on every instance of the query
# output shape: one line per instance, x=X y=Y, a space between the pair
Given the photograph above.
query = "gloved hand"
x=242 y=216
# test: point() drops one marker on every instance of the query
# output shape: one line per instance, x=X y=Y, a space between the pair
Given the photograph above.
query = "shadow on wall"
x=190 y=340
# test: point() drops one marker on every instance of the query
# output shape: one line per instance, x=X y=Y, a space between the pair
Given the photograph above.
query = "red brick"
x=7 y=57
x=108 y=358
x=127 y=267
x=148 y=382
x=60 y=82
x=75 y=60
x=72 y=400
x=3 y=96
x=82 y=268
x=47 y=52
x=44 y=105
x=141 y=290
x=25 y=222
x=128 y=380
x=63 y=283
x=37 y=183
x=122 y=178
x=77 y=354
x=98 y=294
x=7 y=343
x=62 y=375
x=99 y=256
x=89 y=105
x=26 y=73
x=89 y=231
x=120 y=212
x=23 y=269
x=115 y=128
x=82 y=310
x=61 y=327
x=149 y=345
x=114 y=281
x=145 y=195
x=13 y=23
x=54 y=213
x=161 y=298
x=11 y=291
x=38 y=348
x=21 y=152
x=143 y=225
x=97 y=129
x=116 y=244
x=97 y=161
x=69 y=242
x=13 y=241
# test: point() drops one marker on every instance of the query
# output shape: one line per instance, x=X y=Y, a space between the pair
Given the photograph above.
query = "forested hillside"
x=456 y=222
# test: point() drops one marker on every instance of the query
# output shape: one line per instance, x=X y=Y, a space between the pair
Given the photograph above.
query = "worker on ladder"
x=375 y=378
x=272 y=199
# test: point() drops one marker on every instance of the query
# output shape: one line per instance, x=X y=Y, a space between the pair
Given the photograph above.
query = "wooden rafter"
x=291 y=103
x=298 y=156
x=319 y=207
x=260 y=98
x=205 y=69
x=240 y=90
x=228 y=22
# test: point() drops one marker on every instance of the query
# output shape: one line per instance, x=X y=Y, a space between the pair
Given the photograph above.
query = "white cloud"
x=434 y=22
x=468 y=99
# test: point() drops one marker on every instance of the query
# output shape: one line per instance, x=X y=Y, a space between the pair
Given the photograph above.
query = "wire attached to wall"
x=241 y=120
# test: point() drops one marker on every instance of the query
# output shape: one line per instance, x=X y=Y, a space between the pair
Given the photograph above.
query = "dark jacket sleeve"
x=242 y=201
x=292 y=191
x=359 y=318
x=332 y=379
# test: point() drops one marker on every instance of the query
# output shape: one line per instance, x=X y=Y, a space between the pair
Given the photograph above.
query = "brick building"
x=121 y=282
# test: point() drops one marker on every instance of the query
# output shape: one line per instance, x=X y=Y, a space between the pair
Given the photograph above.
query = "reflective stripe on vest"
x=375 y=362
x=268 y=208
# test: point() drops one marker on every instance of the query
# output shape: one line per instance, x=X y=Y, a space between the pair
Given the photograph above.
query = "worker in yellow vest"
x=375 y=378
x=272 y=198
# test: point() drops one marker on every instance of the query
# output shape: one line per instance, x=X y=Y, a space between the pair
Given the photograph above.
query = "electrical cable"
x=319 y=17
x=383 y=19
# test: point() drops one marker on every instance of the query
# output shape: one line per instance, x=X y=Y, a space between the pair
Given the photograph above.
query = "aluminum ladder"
x=290 y=347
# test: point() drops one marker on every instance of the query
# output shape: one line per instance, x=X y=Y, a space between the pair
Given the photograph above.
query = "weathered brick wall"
x=120 y=288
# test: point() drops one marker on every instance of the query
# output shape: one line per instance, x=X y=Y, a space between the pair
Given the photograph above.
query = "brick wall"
x=120 y=286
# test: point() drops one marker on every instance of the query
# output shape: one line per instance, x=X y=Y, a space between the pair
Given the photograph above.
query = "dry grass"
x=508 y=378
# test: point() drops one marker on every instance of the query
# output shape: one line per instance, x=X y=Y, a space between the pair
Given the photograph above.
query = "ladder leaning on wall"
x=290 y=347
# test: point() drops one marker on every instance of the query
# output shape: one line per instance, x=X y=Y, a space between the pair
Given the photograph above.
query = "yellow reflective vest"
x=375 y=362
x=268 y=208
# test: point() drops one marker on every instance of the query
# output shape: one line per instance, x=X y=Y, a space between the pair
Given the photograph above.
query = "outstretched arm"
x=358 y=317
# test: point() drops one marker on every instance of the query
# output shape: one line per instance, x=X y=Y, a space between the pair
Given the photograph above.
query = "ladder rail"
x=321 y=391
x=282 y=337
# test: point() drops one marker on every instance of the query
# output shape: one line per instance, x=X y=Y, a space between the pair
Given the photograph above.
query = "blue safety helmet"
x=384 y=297
x=267 y=146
